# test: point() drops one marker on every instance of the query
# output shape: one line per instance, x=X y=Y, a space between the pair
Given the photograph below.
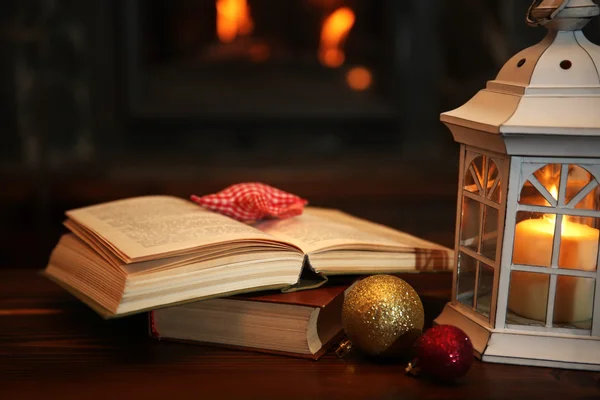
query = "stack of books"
x=206 y=278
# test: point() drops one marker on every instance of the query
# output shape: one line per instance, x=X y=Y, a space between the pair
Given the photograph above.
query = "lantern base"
x=510 y=346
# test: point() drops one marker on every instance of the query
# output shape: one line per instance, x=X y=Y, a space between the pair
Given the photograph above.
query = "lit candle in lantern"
x=533 y=246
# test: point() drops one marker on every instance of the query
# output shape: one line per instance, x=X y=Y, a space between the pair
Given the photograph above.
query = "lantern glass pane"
x=527 y=298
x=531 y=196
x=470 y=223
x=574 y=302
x=492 y=173
x=495 y=195
x=579 y=243
x=590 y=201
x=493 y=182
x=534 y=238
x=467 y=267
x=484 y=289
x=490 y=233
x=577 y=180
x=549 y=177
x=474 y=176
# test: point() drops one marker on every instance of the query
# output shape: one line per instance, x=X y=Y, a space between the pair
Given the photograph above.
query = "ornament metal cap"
x=344 y=348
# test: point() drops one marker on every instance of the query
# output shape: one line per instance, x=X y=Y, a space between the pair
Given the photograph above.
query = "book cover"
x=299 y=324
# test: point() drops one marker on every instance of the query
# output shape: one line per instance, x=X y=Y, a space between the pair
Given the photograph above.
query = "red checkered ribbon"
x=253 y=201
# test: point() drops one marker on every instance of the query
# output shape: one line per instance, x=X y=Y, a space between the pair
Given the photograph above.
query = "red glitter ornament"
x=444 y=352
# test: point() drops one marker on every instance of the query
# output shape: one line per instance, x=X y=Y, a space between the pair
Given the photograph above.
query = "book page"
x=152 y=226
x=322 y=229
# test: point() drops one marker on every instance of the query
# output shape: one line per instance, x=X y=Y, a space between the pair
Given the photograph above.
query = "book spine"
x=152 y=326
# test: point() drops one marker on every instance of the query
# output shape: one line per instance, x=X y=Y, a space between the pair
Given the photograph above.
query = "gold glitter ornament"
x=382 y=315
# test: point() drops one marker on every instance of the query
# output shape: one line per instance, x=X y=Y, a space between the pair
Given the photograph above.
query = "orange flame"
x=334 y=31
x=554 y=192
x=233 y=19
x=552 y=217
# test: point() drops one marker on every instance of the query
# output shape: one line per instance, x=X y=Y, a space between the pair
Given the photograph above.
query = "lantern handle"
x=532 y=21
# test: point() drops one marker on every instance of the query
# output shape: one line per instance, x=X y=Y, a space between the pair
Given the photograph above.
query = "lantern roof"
x=552 y=88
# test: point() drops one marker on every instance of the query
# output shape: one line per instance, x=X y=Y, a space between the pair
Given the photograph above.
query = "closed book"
x=300 y=324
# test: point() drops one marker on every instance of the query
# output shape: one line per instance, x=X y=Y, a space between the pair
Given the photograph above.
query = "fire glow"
x=233 y=20
x=336 y=28
x=359 y=78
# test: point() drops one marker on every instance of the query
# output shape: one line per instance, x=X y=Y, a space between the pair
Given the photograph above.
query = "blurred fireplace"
x=262 y=68
x=103 y=80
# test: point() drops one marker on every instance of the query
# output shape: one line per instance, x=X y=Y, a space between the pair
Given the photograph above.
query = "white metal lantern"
x=527 y=283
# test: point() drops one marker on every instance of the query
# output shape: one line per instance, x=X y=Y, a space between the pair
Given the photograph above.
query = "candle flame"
x=551 y=218
x=233 y=19
x=334 y=31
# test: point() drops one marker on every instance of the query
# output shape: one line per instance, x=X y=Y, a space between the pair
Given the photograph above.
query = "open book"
x=300 y=324
x=148 y=252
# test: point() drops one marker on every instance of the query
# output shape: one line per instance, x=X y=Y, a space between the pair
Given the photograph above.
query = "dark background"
x=105 y=99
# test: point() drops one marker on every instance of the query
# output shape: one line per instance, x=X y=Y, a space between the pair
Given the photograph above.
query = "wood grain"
x=53 y=347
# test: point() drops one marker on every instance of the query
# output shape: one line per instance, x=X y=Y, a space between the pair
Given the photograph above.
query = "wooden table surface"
x=52 y=346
